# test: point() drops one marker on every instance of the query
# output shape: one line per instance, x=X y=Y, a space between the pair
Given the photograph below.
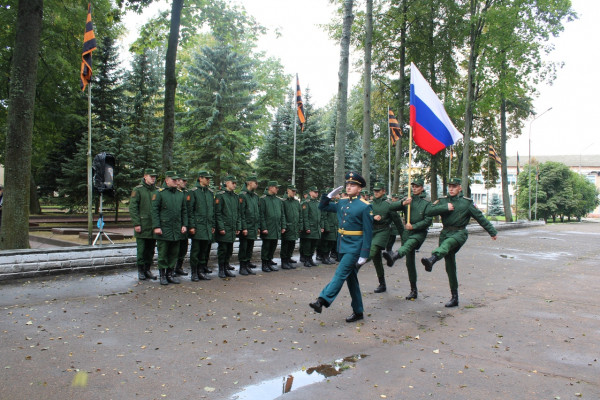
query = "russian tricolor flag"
x=432 y=129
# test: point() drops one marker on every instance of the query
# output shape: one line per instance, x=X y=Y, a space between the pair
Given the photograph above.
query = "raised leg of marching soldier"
x=167 y=258
x=145 y=257
x=224 y=252
x=197 y=260
x=245 y=255
x=183 y=249
x=375 y=256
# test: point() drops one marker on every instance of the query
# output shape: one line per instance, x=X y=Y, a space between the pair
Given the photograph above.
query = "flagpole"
x=389 y=154
x=410 y=138
x=487 y=198
x=89 y=164
x=450 y=162
x=294 y=156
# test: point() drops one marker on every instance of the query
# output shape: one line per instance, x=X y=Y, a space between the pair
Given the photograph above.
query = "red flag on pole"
x=89 y=45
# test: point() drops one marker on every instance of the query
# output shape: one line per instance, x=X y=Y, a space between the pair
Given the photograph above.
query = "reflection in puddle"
x=274 y=388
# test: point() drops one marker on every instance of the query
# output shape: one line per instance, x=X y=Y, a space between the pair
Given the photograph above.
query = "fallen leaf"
x=209 y=389
x=80 y=379
x=436 y=351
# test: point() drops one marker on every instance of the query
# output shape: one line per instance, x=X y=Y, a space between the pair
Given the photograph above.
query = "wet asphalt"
x=527 y=327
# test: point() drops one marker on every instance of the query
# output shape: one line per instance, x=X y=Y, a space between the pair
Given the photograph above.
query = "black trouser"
x=246 y=248
x=268 y=249
x=224 y=252
x=287 y=248
x=145 y=251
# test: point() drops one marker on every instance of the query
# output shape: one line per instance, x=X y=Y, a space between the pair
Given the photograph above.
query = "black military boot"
x=194 y=277
x=272 y=262
x=312 y=263
x=222 y=271
x=319 y=257
x=250 y=265
x=163 y=276
x=454 y=300
x=413 y=291
x=179 y=269
x=334 y=255
x=228 y=272
x=141 y=274
x=229 y=267
x=149 y=273
x=307 y=263
x=265 y=266
x=249 y=268
x=171 y=277
x=327 y=260
x=355 y=317
x=318 y=304
x=272 y=265
x=292 y=261
x=243 y=269
x=285 y=264
x=302 y=258
x=204 y=269
x=428 y=262
x=390 y=257
x=381 y=288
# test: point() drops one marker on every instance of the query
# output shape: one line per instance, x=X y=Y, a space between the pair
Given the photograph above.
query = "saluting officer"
x=272 y=225
x=140 y=209
x=414 y=234
x=250 y=225
x=456 y=211
x=201 y=225
x=355 y=218
x=169 y=223
x=229 y=224
x=292 y=211
x=311 y=227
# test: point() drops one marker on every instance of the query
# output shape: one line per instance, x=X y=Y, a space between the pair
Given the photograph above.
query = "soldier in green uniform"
x=201 y=225
x=384 y=214
x=169 y=224
x=250 y=225
x=414 y=235
x=328 y=240
x=229 y=224
x=393 y=230
x=292 y=211
x=140 y=209
x=272 y=225
x=311 y=227
x=456 y=211
x=183 y=243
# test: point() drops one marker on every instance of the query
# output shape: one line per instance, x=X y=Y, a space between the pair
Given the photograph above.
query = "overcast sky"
x=569 y=128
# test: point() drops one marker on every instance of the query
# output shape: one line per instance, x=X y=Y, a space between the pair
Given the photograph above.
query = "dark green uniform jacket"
x=272 y=217
x=311 y=219
x=330 y=225
x=169 y=213
x=202 y=212
x=387 y=210
x=140 y=209
x=419 y=219
x=458 y=219
x=249 y=213
x=291 y=209
x=227 y=214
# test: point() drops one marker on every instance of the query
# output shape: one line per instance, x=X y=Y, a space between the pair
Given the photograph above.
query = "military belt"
x=454 y=228
x=350 y=233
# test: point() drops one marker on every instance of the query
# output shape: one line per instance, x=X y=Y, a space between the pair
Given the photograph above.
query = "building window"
x=591 y=178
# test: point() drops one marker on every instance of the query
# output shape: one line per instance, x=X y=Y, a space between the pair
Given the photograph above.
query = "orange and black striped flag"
x=395 y=131
x=494 y=155
x=89 y=45
x=300 y=105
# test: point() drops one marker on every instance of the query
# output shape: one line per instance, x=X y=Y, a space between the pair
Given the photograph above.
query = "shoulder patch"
x=217 y=200
x=241 y=200
x=133 y=193
x=154 y=196
x=194 y=188
x=364 y=201
x=161 y=189
x=303 y=206
x=188 y=197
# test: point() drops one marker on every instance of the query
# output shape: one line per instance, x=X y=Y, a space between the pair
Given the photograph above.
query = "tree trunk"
x=400 y=116
x=17 y=169
x=339 y=159
x=171 y=86
x=367 y=127
x=503 y=168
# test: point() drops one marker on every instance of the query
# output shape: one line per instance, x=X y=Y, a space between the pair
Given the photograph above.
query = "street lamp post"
x=529 y=160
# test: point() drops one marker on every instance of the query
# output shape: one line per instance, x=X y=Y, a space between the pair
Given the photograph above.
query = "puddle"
x=276 y=387
x=506 y=256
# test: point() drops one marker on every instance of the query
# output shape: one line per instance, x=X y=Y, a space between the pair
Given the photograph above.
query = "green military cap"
x=272 y=183
x=396 y=195
x=171 y=174
x=455 y=181
x=313 y=189
x=184 y=178
x=150 y=171
x=365 y=191
x=292 y=187
x=204 y=174
x=252 y=178
x=378 y=186
x=230 y=178
x=418 y=182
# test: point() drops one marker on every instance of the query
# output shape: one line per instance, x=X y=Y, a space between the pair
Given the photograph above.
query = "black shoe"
x=171 y=278
x=205 y=269
x=312 y=263
x=319 y=257
x=307 y=264
x=291 y=260
x=163 y=276
x=250 y=265
x=229 y=268
x=272 y=262
x=222 y=271
x=355 y=317
x=194 y=272
x=243 y=269
x=381 y=288
x=454 y=300
x=228 y=272
x=265 y=266
x=317 y=305
x=413 y=292
x=149 y=273
x=285 y=264
x=179 y=269
x=272 y=265
x=203 y=277
x=141 y=274
x=390 y=258
x=428 y=262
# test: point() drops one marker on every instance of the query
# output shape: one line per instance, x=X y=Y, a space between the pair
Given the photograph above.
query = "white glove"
x=361 y=261
x=335 y=192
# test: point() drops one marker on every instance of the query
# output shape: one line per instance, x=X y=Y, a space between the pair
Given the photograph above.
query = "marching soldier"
x=384 y=213
x=393 y=231
x=355 y=218
x=414 y=234
x=229 y=224
x=272 y=225
x=169 y=223
x=183 y=244
x=311 y=227
x=140 y=209
x=250 y=225
x=456 y=211
x=292 y=211
x=201 y=225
